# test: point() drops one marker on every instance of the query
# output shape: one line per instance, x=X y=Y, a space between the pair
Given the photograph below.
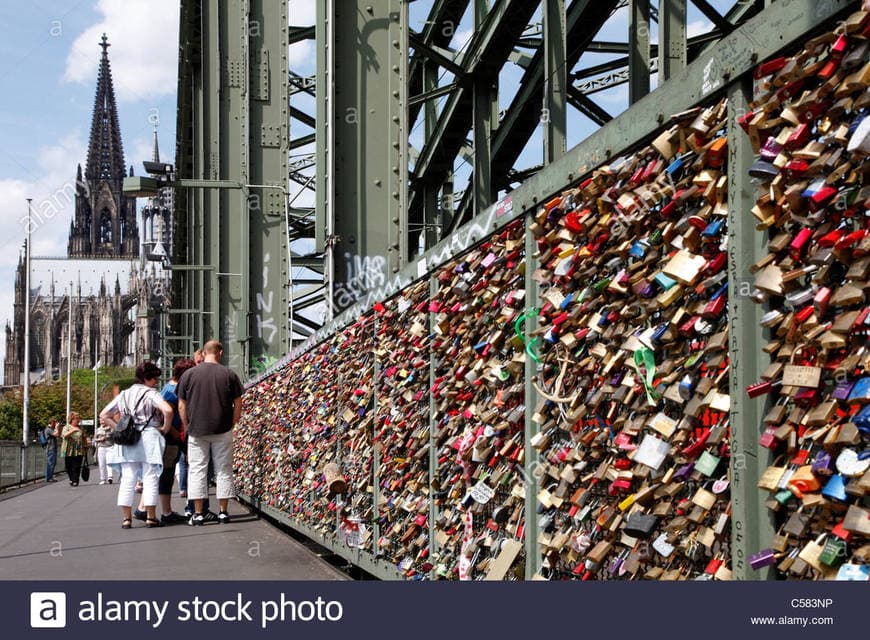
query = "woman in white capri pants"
x=152 y=415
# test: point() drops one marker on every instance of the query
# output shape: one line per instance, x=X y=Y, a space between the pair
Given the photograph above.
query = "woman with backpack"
x=152 y=418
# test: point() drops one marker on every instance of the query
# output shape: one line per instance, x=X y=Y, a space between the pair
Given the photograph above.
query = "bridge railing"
x=558 y=390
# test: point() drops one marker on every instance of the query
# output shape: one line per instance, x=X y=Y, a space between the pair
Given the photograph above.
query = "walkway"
x=54 y=531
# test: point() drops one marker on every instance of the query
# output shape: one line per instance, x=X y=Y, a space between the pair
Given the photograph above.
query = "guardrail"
x=17 y=469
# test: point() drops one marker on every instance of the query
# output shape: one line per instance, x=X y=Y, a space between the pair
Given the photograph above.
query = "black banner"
x=431 y=609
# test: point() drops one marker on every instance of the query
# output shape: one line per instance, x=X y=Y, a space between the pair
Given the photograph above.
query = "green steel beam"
x=674 y=51
x=232 y=168
x=380 y=568
x=442 y=57
x=588 y=107
x=531 y=469
x=269 y=137
x=714 y=16
x=638 y=50
x=303 y=117
x=750 y=519
x=362 y=166
x=434 y=92
x=482 y=98
x=431 y=210
x=555 y=81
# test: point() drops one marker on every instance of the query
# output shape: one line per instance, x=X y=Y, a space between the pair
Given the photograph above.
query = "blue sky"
x=48 y=64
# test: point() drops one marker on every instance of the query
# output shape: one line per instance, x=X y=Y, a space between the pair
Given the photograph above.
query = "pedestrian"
x=50 y=435
x=103 y=442
x=74 y=443
x=198 y=356
x=152 y=416
x=175 y=442
x=210 y=404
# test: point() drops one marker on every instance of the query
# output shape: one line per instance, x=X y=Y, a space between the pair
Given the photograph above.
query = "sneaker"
x=102 y=482
x=224 y=517
x=196 y=519
x=188 y=512
x=209 y=516
x=110 y=481
x=173 y=518
x=140 y=515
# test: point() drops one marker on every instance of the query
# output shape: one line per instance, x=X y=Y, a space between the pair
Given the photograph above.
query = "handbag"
x=86 y=470
x=126 y=433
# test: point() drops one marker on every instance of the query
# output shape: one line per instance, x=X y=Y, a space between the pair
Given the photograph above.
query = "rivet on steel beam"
x=395 y=220
x=396 y=68
x=377 y=182
x=370 y=9
x=660 y=117
x=396 y=195
x=395 y=118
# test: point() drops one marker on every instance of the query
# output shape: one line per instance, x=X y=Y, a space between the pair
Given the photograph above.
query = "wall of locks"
x=572 y=370
x=809 y=130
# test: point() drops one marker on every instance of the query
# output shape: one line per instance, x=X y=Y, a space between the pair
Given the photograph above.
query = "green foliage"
x=48 y=401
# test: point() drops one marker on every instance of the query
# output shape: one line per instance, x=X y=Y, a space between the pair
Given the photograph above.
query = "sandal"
x=126 y=523
x=153 y=523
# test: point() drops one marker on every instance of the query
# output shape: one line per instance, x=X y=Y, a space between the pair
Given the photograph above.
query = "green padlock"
x=833 y=553
x=783 y=496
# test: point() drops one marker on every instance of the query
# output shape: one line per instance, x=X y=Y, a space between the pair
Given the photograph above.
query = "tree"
x=48 y=401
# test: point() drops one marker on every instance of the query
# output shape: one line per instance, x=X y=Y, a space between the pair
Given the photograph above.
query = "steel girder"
x=584 y=19
x=486 y=55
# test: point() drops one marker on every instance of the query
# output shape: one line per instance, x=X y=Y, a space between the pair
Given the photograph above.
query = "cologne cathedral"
x=115 y=280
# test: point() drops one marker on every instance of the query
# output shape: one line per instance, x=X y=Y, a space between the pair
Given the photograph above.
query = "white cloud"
x=302 y=13
x=144 y=51
x=301 y=57
x=698 y=27
x=52 y=207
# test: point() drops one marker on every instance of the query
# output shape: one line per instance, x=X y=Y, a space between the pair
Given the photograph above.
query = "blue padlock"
x=664 y=281
x=713 y=229
x=835 y=488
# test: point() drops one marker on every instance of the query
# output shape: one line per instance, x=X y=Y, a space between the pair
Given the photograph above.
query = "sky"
x=49 y=56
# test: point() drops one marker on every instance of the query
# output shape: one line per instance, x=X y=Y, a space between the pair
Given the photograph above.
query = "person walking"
x=210 y=404
x=103 y=442
x=152 y=416
x=175 y=443
x=51 y=434
x=74 y=443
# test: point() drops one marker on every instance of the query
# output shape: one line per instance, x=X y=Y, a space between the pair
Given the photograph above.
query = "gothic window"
x=105 y=234
x=123 y=230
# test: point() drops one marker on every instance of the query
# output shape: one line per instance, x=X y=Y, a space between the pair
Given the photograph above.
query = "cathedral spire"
x=105 y=150
x=155 y=155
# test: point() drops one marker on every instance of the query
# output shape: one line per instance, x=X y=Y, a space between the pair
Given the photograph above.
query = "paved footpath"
x=55 y=531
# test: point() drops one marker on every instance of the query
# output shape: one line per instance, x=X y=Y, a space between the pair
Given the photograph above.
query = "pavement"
x=58 y=532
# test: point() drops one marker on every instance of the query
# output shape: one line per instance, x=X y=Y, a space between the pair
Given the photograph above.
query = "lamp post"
x=26 y=409
x=69 y=354
x=96 y=395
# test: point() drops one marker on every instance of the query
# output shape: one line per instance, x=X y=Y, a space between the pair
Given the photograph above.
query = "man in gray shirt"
x=210 y=404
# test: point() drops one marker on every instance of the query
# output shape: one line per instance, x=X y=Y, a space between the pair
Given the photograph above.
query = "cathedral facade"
x=101 y=303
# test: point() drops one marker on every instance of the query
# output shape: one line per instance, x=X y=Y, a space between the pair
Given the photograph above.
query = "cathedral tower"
x=104 y=223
